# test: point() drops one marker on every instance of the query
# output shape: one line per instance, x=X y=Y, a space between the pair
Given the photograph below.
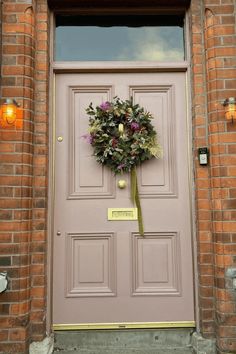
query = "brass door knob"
x=122 y=184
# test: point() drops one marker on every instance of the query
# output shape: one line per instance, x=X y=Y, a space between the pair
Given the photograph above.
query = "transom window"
x=119 y=38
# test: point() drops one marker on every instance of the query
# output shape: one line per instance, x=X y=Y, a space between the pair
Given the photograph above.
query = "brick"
x=3 y=336
x=12 y=347
x=227 y=344
x=6 y=192
x=8 y=249
x=38 y=304
x=4 y=309
x=5 y=261
x=229 y=204
x=38 y=292
x=39 y=328
x=18 y=335
x=226 y=307
x=20 y=308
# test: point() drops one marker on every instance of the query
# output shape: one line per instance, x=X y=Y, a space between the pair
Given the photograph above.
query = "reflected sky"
x=93 y=43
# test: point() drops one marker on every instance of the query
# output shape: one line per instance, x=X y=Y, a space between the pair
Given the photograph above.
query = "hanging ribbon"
x=135 y=199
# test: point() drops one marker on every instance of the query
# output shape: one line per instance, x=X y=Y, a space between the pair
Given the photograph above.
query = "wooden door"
x=104 y=272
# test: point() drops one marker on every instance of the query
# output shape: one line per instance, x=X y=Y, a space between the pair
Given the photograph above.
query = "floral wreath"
x=123 y=137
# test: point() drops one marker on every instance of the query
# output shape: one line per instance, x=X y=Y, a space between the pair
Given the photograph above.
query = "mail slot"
x=117 y=214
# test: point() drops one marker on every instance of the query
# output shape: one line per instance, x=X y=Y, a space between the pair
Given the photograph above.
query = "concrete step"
x=130 y=351
x=130 y=341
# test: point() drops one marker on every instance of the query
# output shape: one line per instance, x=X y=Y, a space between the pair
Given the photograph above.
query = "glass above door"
x=119 y=38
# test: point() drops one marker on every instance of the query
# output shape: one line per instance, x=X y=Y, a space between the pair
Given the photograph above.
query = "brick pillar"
x=215 y=185
x=202 y=174
x=40 y=175
x=16 y=176
x=23 y=184
x=220 y=48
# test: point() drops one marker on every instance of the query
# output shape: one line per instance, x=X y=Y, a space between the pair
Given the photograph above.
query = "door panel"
x=158 y=178
x=156 y=268
x=90 y=265
x=87 y=179
x=104 y=272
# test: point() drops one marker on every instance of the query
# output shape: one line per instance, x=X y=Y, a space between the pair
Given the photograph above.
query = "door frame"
x=97 y=67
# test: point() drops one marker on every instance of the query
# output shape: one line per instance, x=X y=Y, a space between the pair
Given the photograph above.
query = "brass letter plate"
x=116 y=214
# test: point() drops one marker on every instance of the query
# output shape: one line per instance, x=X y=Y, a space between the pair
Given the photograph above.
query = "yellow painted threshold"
x=125 y=325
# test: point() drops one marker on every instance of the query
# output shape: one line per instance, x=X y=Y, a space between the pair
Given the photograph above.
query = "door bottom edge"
x=123 y=325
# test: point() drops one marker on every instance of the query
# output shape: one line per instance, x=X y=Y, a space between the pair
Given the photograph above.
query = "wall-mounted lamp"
x=9 y=110
x=230 y=109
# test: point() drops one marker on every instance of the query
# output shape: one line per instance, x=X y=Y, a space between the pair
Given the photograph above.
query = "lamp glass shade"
x=230 y=112
x=9 y=112
x=230 y=109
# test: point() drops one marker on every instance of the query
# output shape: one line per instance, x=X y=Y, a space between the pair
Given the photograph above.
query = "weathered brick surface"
x=213 y=66
x=24 y=166
x=23 y=158
x=40 y=168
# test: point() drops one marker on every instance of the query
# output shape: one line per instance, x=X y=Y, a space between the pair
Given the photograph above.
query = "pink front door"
x=104 y=272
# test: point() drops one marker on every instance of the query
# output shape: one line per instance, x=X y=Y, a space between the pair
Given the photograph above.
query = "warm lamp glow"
x=9 y=108
x=230 y=109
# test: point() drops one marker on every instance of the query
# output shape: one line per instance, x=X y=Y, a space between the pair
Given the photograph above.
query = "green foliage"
x=117 y=148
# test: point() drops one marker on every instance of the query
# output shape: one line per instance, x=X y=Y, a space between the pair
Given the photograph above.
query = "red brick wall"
x=40 y=169
x=214 y=79
x=202 y=174
x=24 y=166
x=23 y=185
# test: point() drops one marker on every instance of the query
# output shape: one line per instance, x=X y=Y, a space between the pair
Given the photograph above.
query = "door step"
x=130 y=341
x=130 y=351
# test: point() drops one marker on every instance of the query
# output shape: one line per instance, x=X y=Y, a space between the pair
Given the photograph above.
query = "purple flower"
x=134 y=126
x=105 y=106
x=88 y=138
x=122 y=165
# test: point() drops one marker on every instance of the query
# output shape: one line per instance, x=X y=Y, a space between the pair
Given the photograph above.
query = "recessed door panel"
x=159 y=178
x=87 y=179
